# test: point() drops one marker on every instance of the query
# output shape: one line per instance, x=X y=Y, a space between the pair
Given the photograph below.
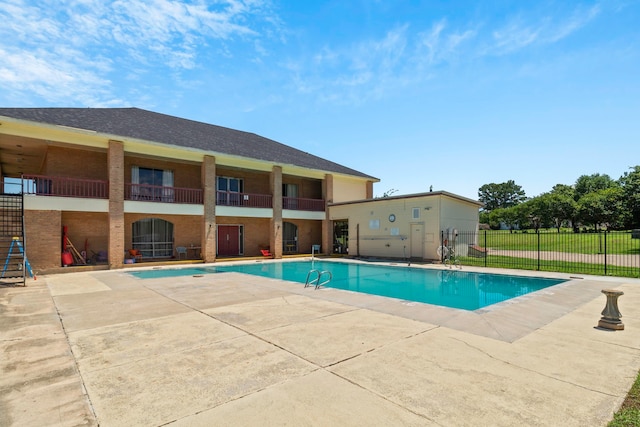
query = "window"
x=289 y=237
x=229 y=191
x=151 y=184
x=153 y=237
x=290 y=196
x=416 y=213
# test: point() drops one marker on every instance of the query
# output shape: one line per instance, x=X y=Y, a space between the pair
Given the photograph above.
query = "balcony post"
x=275 y=239
x=209 y=232
x=327 y=224
x=115 y=165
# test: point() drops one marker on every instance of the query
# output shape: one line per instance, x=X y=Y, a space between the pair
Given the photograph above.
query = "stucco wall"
x=345 y=189
x=377 y=235
x=415 y=231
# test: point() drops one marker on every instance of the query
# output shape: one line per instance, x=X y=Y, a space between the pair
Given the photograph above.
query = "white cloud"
x=518 y=33
x=45 y=75
x=437 y=46
x=82 y=42
x=431 y=41
x=513 y=37
x=579 y=19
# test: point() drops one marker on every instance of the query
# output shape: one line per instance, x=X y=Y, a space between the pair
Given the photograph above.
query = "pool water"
x=449 y=288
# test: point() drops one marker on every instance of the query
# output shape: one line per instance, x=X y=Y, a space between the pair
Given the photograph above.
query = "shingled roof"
x=162 y=128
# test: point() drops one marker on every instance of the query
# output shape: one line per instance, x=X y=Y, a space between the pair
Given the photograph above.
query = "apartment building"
x=110 y=182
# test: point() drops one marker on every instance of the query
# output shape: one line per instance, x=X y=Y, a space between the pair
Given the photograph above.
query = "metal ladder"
x=316 y=281
x=12 y=237
x=23 y=262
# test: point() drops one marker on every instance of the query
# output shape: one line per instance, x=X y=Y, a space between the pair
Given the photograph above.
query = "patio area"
x=106 y=348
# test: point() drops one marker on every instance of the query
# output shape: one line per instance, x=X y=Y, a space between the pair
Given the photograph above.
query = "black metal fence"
x=609 y=253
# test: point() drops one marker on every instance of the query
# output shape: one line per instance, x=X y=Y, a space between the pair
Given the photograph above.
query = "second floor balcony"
x=99 y=189
x=160 y=194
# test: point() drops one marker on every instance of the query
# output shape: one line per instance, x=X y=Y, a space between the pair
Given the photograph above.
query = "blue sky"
x=449 y=94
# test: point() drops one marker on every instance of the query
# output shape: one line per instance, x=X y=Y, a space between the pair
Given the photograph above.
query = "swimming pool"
x=449 y=288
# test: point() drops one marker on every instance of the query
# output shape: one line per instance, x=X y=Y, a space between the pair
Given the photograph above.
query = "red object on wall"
x=67 y=259
x=64 y=239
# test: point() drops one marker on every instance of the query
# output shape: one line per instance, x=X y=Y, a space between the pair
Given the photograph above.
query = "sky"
x=449 y=95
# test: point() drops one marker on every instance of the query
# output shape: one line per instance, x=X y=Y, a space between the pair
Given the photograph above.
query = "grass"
x=629 y=413
x=617 y=242
x=499 y=261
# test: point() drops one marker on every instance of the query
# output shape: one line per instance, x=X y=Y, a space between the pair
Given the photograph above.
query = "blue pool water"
x=449 y=288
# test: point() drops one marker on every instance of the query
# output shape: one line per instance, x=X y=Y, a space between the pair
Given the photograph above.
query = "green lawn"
x=497 y=261
x=615 y=242
x=629 y=413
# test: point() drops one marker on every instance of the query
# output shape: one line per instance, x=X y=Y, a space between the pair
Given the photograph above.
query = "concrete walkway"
x=105 y=348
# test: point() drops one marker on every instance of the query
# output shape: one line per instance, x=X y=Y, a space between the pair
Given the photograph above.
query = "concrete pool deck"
x=105 y=348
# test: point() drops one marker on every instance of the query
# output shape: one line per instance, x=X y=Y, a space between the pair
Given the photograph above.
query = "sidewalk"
x=228 y=349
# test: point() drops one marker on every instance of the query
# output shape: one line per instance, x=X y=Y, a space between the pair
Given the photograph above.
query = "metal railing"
x=99 y=189
x=300 y=204
x=160 y=194
x=246 y=200
x=65 y=187
x=614 y=253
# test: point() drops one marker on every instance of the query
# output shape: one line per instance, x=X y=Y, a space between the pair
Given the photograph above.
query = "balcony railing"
x=65 y=187
x=98 y=189
x=300 y=204
x=246 y=200
x=160 y=194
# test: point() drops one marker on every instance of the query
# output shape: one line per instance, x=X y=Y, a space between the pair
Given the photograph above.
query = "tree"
x=602 y=207
x=504 y=195
x=586 y=184
x=563 y=190
x=538 y=211
x=563 y=205
x=506 y=216
x=630 y=183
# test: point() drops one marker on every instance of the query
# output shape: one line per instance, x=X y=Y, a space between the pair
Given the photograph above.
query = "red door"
x=229 y=240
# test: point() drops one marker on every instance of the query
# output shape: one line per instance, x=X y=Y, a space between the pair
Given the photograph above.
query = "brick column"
x=275 y=240
x=208 y=176
x=327 y=224
x=115 y=164
x=369 y=190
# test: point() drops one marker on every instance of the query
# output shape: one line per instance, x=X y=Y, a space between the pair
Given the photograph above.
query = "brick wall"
x=43 y=239
x=116 y=203
x=185 y=175
x=256 y=232
x=87 y=227
x=254 y=182
x=275 y=239
x=186 y=228
x=208 y=224
x=309 y=233
x=307 y=188
x=72 y=163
